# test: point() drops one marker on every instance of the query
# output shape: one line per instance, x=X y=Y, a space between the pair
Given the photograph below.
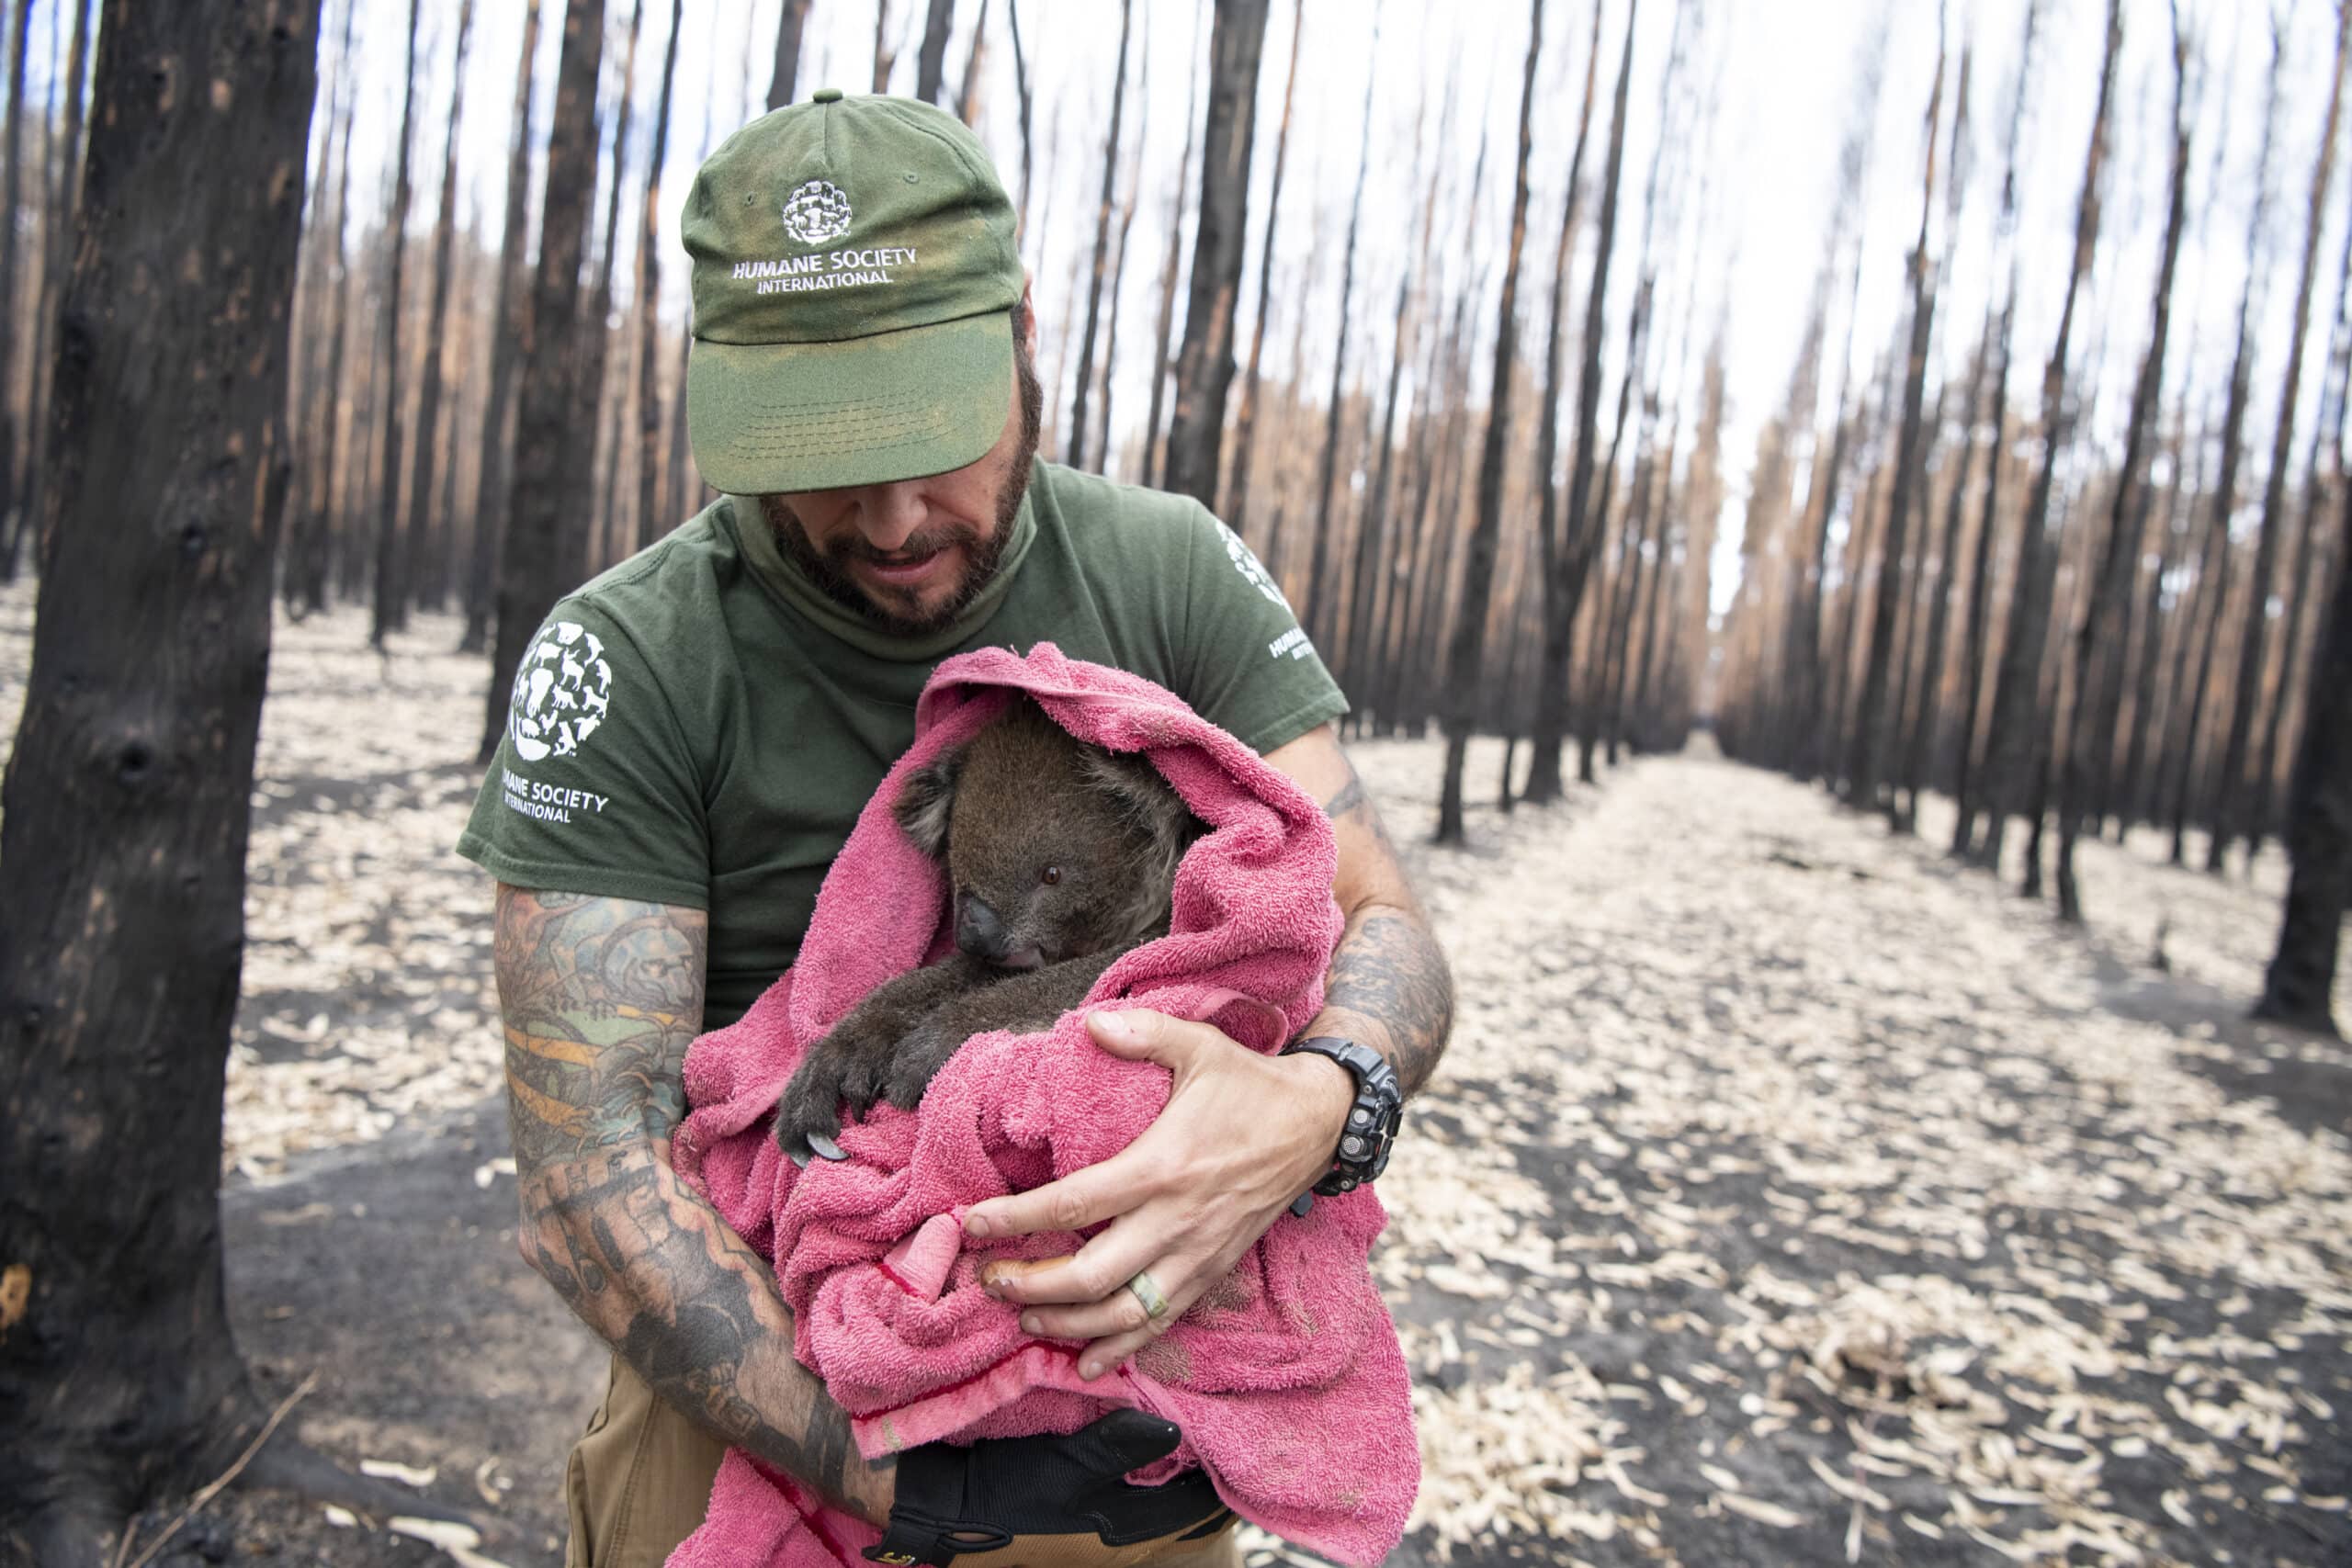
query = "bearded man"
x=694 y=733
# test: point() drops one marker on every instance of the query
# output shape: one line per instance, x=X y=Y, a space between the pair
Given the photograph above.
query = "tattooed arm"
x=601 y=997
x=1389 y=986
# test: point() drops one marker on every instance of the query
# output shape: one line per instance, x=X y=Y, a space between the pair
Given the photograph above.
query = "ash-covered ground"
x=1788 y=1196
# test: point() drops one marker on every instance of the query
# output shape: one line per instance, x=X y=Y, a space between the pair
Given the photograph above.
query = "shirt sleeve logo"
x=817 y=212
x=1245 y=561
x=562 y=693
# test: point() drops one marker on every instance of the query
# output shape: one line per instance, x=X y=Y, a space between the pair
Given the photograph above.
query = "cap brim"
x=765 y=418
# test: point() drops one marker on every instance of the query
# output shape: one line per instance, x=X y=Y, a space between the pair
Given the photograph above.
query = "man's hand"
x=1242 y=1135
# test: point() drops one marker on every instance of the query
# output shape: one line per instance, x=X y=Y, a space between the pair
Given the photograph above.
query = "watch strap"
x=1365 y=1142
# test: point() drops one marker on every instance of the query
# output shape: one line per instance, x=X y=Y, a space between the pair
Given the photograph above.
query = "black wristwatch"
x=1371 y=1124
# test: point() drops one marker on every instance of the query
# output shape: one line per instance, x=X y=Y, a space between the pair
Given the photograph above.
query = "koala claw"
x=919 y=1057
x=824 y=1148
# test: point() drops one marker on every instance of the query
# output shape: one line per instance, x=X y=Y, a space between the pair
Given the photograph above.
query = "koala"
x=1060 y=856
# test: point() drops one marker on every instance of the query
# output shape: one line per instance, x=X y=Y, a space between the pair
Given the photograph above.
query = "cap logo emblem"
x=817 y=212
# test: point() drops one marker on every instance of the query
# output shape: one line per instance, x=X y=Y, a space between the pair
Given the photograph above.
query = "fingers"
x=1141 y=1034
x=1082 y=1198
x=1082 y=1295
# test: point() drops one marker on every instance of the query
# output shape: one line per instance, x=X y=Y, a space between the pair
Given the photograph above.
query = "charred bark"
x=2017 y=734
x=510 y=332
x=2237 y=807
x=391 y=608
x=784 y=78
x=2098 y=698
x=1465 y=658
x=651 y=524
x=1076 y=455
x=422 y=526
x=1315 y=619
x=1549 y=721
x=931 y=55
x=1873 y=720
x=2300 y=984
x=127 y=800
x=1205 y=367
x=552 y=446
x=1244 y=421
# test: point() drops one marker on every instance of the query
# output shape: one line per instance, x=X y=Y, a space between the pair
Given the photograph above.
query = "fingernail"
x=1029 y=1323
x=976 y=1225
x=1090 y=1370
x=1116 y=1025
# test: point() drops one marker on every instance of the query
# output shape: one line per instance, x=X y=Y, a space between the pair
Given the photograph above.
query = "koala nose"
x=980 y=932
x=978 y=929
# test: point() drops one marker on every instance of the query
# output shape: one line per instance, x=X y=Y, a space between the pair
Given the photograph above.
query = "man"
x=694 y=734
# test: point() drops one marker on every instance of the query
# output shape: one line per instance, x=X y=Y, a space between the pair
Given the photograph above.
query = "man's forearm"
x=1389 y=986
x=654 y=1272
x=601 y=998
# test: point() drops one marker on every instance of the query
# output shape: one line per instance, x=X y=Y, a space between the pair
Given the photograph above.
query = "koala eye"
x=1050 y=875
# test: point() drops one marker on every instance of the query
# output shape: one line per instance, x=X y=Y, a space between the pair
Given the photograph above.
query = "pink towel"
x=1287 y=1377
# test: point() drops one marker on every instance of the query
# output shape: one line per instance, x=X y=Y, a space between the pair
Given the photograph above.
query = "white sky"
x=1780 y=78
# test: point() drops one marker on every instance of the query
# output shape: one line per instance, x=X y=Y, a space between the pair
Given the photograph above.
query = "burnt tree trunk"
x=2213 y=566
x=649 y=524
x=1119 y=263
x=1153 y=465
x=553 y=448
x=585 y=538
x=2099 y=691
x=13 y=520
x=2237 y=808
x=1582 y=534
x=311 y=529
x=2305 y=581
x=57 y=261
x=390 y=613
x=1318 y=602
x=783 y=79
x=2298 y=987
x=1245 y=420
x=124 y=810
x=420 y=524
x=1871 y=720
x=1980 y=577
x=1205 y=367
x=510 y=325
x=1465 y=658
x=967 y=97
x=931 y=55
x=2010 y=749
x=1076 y=454
x=1020 y=93
x=1548 y=724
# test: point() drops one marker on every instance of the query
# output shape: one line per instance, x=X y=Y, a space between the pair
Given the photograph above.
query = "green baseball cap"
x=854 y=275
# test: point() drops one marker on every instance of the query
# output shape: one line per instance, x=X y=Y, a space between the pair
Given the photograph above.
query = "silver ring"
x=1146 y=1290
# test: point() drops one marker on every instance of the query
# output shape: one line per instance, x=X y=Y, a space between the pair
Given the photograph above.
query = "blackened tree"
x=124 y=810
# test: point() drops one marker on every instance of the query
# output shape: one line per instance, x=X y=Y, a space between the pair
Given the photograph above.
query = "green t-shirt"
x=700 y=726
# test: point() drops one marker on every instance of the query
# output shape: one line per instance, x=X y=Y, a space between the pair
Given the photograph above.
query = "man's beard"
x=983 y=553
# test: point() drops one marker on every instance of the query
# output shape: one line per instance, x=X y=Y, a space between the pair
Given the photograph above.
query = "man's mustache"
x=922 y=542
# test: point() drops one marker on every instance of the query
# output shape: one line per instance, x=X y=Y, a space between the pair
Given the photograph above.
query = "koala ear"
x=1149 y=800
x=926 y=800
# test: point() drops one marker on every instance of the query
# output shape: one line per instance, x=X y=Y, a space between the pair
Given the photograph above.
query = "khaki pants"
x=640 y=1479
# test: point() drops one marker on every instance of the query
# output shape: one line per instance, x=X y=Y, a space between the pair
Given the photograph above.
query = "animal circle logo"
x=562 y=693
x=817 y=212
x=1245 y=561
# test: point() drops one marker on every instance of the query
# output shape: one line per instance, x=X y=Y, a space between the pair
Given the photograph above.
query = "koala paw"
x=921 y=1054
x=808 y=1118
